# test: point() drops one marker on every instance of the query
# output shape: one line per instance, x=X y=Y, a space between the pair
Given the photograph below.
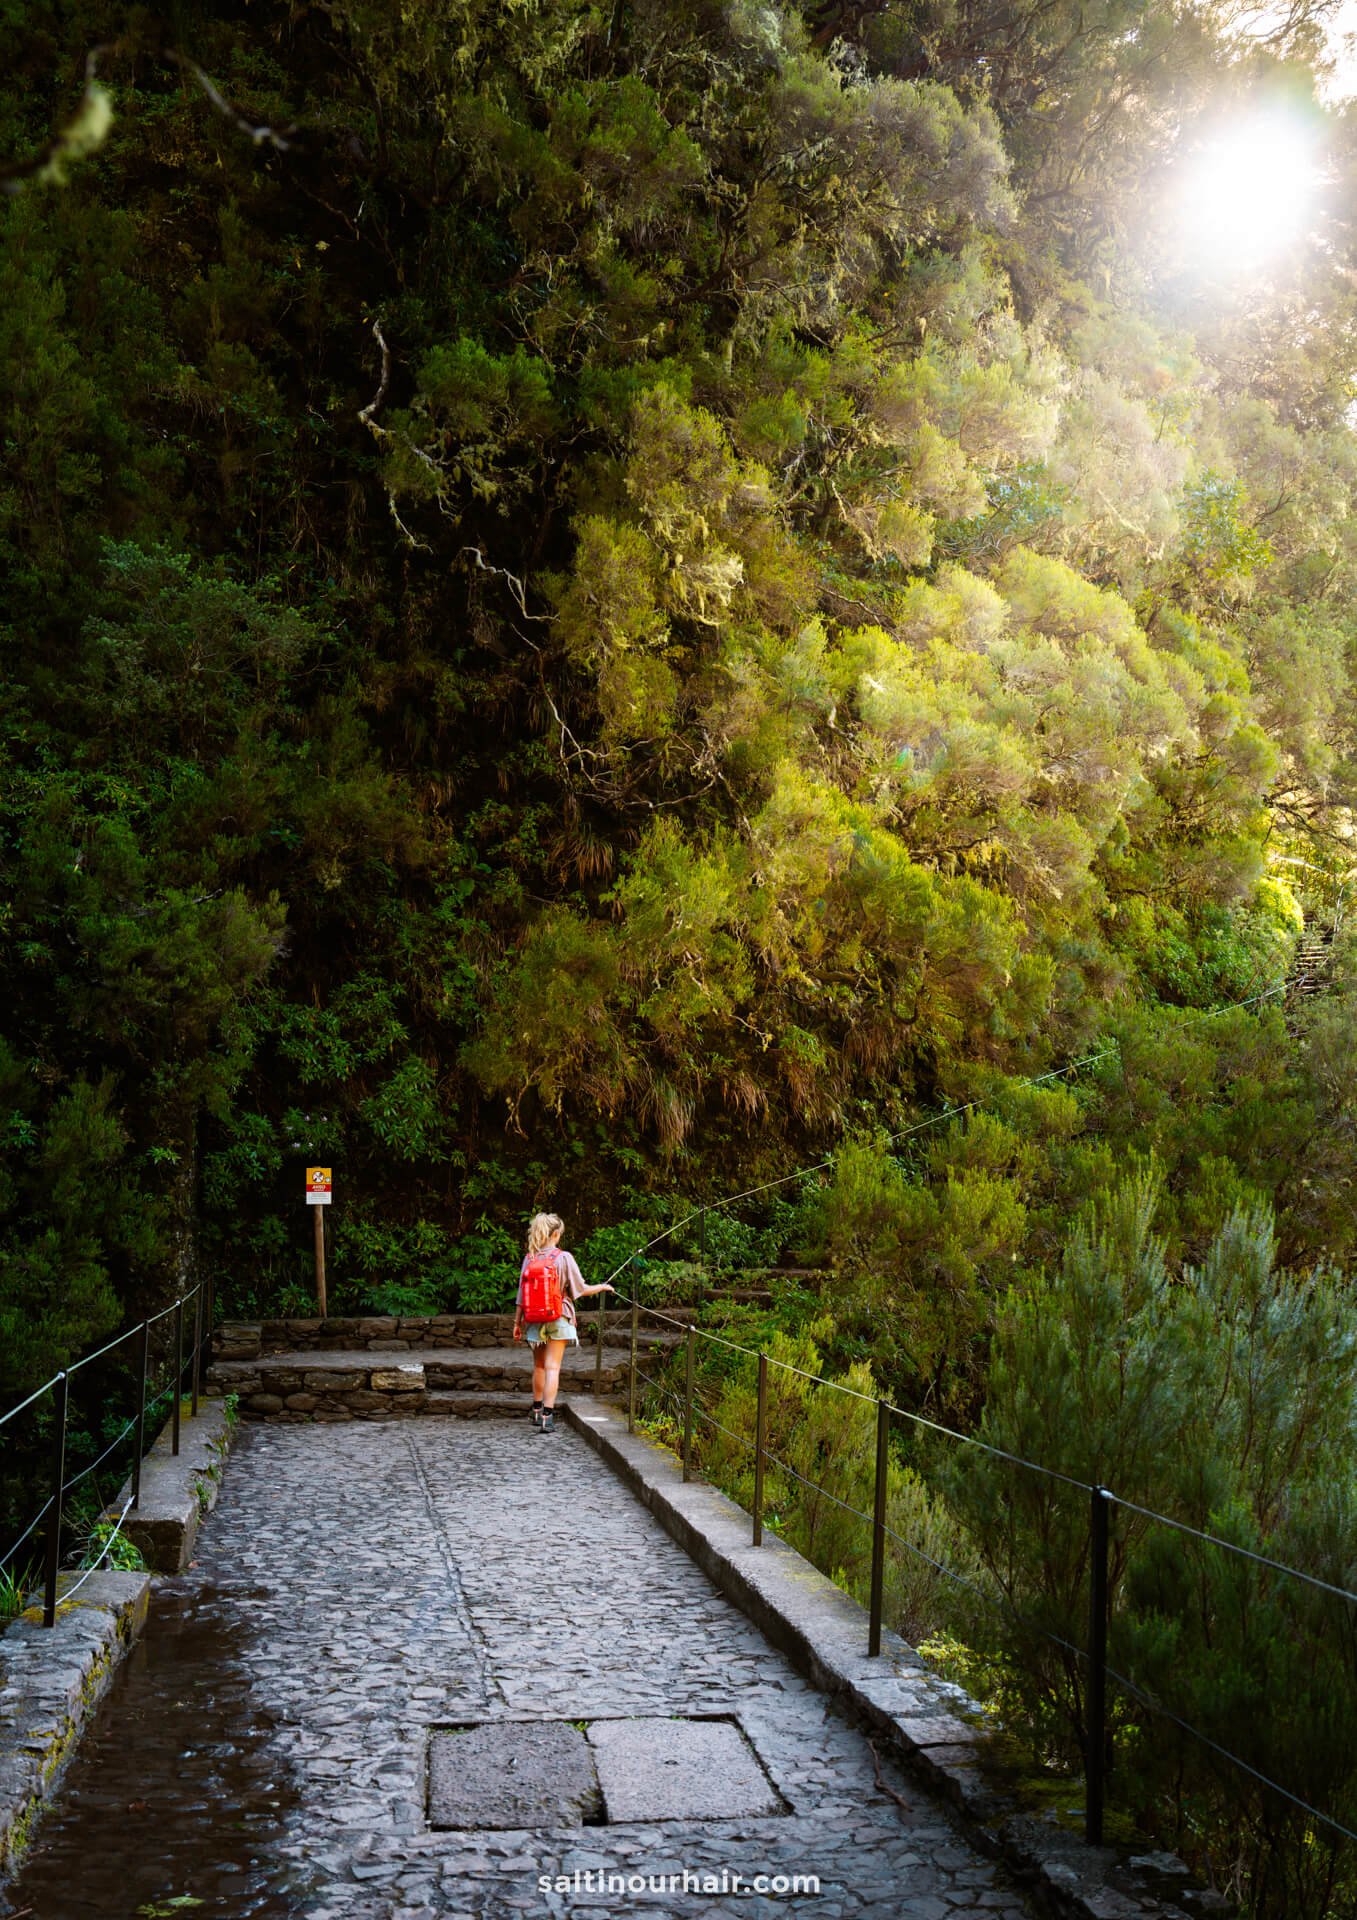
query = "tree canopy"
x=604 y=601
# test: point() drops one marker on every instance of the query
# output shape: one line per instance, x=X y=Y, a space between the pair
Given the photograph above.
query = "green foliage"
x=105 y=1545
x=792 y=626
x=668 y=1283
x=819 y=1485
x=618 y=1248
x=1253 y=1371
x=1216 y=542
x=485 y=1267
x=17 y=1585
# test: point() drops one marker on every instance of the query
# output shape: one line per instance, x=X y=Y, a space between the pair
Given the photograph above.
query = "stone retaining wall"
x=51 y=1680
x=396 y=1390
x=249 y=1339
x=177 y=1490
x=330 y=1393
x=254 y=1339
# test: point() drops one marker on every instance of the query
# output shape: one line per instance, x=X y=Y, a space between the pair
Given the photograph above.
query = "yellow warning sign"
x=317 y=1186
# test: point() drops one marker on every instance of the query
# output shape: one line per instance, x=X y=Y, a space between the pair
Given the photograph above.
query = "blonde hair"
x=540 y=1229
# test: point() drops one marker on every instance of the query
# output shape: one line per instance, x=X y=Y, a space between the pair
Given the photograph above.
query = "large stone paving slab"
x=377 y=1582
x=512 y=1773
x=677 y=1769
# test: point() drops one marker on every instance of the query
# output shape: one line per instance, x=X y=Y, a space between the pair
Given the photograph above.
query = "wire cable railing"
x=947 y=1114
x=60 y=1482
x=1285 y=1793
x=1103 y=1501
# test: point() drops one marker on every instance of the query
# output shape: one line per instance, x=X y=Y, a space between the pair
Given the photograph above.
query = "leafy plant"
x=16 y=1584
x=105 y=1544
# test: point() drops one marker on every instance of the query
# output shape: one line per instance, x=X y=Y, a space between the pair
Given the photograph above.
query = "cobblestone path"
x=380 y=1579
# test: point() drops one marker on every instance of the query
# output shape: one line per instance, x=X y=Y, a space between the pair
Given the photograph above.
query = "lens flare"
x=1247 y=193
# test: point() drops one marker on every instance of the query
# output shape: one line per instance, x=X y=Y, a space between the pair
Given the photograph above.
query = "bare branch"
x=367 y=413
x=89 y=127
x=519 y=591
x=261 y=135
x=884 y=1784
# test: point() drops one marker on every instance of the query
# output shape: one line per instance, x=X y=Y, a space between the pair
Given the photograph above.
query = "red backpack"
x=542 y=1297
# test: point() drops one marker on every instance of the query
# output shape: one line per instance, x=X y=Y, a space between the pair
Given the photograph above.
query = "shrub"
x=1224 y=1398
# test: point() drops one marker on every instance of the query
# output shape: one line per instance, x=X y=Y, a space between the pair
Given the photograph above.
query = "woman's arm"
x=575 y=1279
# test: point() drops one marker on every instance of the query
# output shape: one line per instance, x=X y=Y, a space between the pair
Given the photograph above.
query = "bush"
x=486 y=1266
x=105 y=1545
x=611 y=1250
x=492 y=1291
x=671 y=1283
x=820 y=1474
x=1223 y=1397
x=729 y=1243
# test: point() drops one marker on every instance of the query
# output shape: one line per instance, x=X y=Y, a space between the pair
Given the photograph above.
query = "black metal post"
x=141 y=1414
x=702 y=1236
x=177 y=1392
x=688 y=1407
x=1095 y=1736
x=631 y=1378
x=49 y=1603
x=197 y=1342
x=883 y=1429
x=760 y=1445
x=598 y=1350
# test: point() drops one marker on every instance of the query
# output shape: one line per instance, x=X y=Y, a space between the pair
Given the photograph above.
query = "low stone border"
x=249 y=1339
x=930 y=1721
x=256 y=1339
x=177 y=1492
x=285 y=1388
x=51 y=1680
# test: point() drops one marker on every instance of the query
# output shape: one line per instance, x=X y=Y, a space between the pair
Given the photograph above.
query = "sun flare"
x=1247 y=193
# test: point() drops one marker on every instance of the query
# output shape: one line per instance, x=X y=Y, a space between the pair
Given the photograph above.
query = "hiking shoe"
x=537 y=1416
x=547 y=1423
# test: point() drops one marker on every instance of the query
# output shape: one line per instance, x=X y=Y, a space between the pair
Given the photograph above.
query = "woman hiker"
x=550 y=1338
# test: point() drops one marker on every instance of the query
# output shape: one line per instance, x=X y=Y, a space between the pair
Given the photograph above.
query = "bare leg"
x=554 y=1355
x=539 y=1368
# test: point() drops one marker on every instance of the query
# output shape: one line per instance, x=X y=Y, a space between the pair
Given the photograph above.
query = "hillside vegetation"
x=600 y=602
x=605 y=603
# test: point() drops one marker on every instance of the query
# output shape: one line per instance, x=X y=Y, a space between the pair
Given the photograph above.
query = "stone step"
x=478 y=1406
x=371 y=1386
x=251 y=1339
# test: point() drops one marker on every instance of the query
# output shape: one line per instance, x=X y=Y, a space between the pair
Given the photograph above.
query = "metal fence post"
x=1095 y=1736
x=177 y=1393
x=141 y=1414
x=760 y=1444
x=631 y=1378
x=688 y=1407
x=49 y=1604
x=883 y=1429
x=197 y=1342
x=598 y=1349
x=702 y=1236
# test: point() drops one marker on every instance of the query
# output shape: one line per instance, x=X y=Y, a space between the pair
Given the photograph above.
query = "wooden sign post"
x=318 y=1196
